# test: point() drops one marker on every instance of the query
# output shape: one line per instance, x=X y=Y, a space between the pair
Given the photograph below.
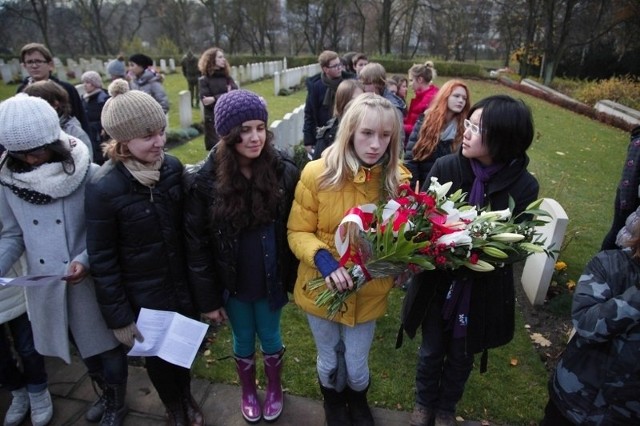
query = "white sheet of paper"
x=169 y=335
x=31 y=280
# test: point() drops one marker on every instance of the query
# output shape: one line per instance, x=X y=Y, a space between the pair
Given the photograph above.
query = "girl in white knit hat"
x=42 y=178
x=134 y=238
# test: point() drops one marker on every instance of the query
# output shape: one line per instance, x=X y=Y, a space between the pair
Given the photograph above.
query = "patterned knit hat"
x=131 y=114
x=235 y=107
x=27 y=122
x=93 y=78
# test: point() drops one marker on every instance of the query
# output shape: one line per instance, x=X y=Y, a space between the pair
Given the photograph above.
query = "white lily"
x=507 y=237
x=440 y=190
x=460 y=238
x=468 y=214
x=480 y=266
x=499 y=214
x=532 y=248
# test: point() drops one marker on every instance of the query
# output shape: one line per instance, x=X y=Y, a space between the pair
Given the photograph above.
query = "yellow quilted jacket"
x=314 y=218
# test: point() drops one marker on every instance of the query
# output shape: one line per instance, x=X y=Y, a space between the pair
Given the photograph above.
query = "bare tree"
x=511 y=19
x=36 y=11
x=358 y=20
x=314 y=20
x=96 y=16
x=259 y=19
x=216 y=9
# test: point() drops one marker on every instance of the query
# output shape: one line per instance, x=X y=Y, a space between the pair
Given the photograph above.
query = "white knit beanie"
x=27 y=122
x=131 y=114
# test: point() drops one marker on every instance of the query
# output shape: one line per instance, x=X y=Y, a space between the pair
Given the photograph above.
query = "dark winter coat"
x=315 y=113
x=420 y=169
x=325 y=136
x=597 y=381
x=77 y=108
x=214 y=85
x=491 y=313
x=93 y=107
x=135 y=242
x=212 y=247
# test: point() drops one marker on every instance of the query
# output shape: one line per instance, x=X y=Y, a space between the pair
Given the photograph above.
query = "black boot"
x=192 y=410
x=95 y=412
x=115 y=407
x=359 y=410
x=335 y=407
x=176 y=415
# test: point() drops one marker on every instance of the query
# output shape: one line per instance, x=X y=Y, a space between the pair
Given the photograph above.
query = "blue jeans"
x=250 y=318
x=34 y=375
x=110 y=365
x=357 y=341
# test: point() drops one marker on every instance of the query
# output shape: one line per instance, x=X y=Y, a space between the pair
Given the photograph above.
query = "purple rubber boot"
x=250 y=405
x=274 y=399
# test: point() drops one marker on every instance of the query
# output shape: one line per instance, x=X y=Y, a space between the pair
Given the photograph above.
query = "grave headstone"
x=538 y=268
x=7 y=73
x=184 y=106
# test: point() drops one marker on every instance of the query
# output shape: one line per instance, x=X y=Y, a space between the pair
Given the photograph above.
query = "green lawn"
x=577 y=162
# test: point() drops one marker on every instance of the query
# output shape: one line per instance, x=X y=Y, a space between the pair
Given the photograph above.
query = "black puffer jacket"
x=134 y=241
x=492 y=307
x=212 y=247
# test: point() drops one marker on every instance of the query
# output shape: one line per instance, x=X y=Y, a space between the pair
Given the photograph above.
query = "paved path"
x=73 y=393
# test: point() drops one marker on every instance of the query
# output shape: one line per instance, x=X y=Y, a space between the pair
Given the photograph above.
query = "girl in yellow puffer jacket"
x=361 y=166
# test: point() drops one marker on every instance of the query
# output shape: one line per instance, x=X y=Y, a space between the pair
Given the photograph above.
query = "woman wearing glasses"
x=43 y=177
x=438 y=131
x=462 y=313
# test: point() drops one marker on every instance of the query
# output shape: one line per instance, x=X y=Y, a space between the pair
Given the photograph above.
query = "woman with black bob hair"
x=463 y=312
x=240 y=264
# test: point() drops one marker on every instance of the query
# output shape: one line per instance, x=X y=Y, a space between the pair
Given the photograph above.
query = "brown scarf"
x=330 y=94
x=146 y=174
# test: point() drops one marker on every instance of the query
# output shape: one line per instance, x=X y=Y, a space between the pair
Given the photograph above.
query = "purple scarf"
x=482 y=176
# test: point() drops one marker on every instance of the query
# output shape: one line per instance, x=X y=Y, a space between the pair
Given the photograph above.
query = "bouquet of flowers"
x=427 y=230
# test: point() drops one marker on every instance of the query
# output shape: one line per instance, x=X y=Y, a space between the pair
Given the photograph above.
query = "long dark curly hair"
x=245 y=203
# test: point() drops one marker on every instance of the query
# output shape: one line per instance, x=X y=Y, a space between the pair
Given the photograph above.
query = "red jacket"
x=419 y=104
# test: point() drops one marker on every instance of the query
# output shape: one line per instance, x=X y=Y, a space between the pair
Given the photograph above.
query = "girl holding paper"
x=43 y=175
x=362 y=166
x=134 y=235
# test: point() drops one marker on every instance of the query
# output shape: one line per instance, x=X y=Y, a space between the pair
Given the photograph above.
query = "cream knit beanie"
x=28 y=122
x=131 y=114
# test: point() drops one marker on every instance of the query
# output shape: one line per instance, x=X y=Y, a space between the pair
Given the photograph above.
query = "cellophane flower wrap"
x=427 y=230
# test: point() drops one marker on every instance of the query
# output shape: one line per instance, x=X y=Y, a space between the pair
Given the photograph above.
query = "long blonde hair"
x=436 y=118
x=341 y=161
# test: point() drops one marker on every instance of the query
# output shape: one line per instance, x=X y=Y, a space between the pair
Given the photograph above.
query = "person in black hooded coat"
x=491 y=167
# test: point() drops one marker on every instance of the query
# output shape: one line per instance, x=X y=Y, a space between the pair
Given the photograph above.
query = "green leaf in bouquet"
x=423 y=263
x=535 y=205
